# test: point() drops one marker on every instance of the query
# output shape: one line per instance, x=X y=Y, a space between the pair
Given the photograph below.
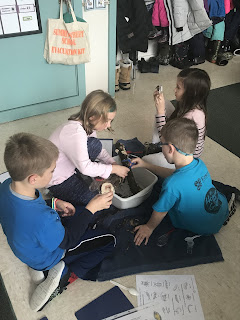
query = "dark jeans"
x=225 y=189
x=76 y=188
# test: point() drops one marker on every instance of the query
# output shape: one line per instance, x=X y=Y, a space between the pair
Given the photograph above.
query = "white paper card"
x=107 y=144
x=165 y=298
x=176 y=295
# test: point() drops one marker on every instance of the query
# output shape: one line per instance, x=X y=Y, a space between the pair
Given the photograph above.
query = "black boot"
x=212 y=50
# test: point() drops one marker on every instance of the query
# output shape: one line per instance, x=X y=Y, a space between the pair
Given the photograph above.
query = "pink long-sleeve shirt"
x=71 y=140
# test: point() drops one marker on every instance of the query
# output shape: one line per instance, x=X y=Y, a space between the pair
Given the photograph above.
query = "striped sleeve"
x=199 y=117
x=160 y=122
x=200 y=143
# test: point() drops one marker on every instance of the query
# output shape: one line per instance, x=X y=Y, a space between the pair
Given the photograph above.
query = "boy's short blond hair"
x=182 y=133
x=27 y=154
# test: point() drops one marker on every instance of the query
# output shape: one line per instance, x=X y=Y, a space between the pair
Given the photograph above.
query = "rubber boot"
x=163 y=54
x=117 y=73
x=212 y=50
x=125 y=74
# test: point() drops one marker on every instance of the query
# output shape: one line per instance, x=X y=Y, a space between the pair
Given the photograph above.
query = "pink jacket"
x=228 y=5
x=159 y=15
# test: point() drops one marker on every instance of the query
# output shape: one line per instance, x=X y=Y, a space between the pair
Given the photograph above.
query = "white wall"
x=97 y=70
x=151 y=52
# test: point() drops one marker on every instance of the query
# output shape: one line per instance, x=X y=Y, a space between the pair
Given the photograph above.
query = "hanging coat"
x=159 y=15
x=186 y=18
x=216 y=8
x=133 y=25
x=229 y=5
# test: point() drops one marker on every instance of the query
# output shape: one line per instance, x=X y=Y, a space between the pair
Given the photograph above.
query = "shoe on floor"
x=198 y=60
x=153 y=34
x=125 y=75
x=46 y=289
x=36 y=276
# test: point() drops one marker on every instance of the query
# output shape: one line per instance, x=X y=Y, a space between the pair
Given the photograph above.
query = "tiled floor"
x=218 y=283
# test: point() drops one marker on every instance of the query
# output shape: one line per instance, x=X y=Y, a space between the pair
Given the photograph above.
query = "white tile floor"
x=218 y=283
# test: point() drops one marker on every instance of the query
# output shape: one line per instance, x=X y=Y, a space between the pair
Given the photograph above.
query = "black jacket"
x=133 y=25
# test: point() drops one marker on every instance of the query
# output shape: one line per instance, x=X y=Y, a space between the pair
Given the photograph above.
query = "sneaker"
x=36 y=276
x=164 y=37
x=154 y=34
x=68 y=278
x=44 y=290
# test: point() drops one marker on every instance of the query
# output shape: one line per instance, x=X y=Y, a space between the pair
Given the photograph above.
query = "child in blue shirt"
x=36 y=233
x=187 y=195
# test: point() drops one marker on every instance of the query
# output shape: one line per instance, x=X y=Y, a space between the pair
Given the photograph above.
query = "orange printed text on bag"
x=67 y=43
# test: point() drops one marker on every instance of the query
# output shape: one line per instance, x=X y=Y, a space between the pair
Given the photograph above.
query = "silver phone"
x=159 y=88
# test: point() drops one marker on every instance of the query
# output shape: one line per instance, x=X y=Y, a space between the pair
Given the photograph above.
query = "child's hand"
x=66 y=207
x=138 y=163
x=159 y=102
x=143 y=232
x=100 y=202
x=120 y=171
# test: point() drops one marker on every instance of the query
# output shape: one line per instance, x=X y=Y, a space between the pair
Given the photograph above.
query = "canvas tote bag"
x=67 y=43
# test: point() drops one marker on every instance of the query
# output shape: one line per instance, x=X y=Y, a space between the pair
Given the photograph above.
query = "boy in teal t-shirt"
x=187 y=195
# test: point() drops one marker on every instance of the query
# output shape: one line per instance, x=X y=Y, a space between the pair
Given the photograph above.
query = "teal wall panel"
x=112 y=46
x=28 y=84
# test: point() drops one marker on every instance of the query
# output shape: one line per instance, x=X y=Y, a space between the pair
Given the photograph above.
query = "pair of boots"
x=122 y=75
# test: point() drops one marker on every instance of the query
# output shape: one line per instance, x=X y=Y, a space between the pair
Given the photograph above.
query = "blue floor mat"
x=129 y=259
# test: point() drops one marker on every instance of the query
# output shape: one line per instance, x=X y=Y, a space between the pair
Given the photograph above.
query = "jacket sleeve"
x=104 y=157
x=73 y=142
x=180 y=11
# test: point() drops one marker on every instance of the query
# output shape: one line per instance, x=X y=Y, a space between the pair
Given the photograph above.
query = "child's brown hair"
x=27 y=154
x=182 y=133
x=197 y=84
x=97 y=104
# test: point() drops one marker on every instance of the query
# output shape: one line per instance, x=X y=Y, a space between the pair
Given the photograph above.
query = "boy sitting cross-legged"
x=36 y=233
x=187 y=194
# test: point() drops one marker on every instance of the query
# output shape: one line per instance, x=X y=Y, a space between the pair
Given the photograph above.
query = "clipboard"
x=106 y=305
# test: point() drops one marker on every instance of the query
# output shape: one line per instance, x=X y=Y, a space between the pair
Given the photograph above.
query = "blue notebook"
x=108 y=304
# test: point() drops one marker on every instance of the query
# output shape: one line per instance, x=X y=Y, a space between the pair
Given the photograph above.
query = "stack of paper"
x=165 y=298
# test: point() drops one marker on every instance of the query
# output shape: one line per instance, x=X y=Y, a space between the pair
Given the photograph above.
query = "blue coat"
x=216 y=8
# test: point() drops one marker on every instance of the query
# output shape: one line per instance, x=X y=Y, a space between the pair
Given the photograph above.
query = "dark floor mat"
x=172 y=253
x=6 y=310
x=223 y=117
